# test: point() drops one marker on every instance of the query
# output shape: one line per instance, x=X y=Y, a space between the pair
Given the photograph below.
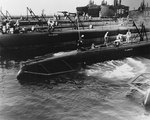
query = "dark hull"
x=37 y=38
x=25 y=23
x=77 y=59
x=35 y=44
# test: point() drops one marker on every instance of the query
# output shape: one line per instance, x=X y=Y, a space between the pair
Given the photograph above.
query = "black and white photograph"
x=74 y=60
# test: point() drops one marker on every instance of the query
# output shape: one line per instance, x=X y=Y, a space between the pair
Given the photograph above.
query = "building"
x=142 y=11
x=121 y=11
x=107 y=11
x=104 y=10
x=146 y=12
x=91 y=9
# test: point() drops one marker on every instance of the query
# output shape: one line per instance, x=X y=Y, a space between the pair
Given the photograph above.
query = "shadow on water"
x=74 y=79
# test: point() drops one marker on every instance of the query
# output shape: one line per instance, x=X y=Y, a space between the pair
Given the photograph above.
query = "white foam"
x=138 y=65
x=65 y=53
x=117 y=70
x=120 y=72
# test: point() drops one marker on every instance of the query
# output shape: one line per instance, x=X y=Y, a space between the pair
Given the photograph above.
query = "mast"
x=8 y=14
x=3 y=14
x=141 y=32
x=119 y=2
x=42 y=15
x=27 y=13
x=32 y=14
x=78 y=27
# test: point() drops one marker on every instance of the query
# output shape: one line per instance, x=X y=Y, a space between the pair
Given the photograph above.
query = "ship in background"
x=104 y=10
x=142 y=12
x=64 y=36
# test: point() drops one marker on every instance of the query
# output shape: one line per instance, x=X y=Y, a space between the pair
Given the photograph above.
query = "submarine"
x=52 y=65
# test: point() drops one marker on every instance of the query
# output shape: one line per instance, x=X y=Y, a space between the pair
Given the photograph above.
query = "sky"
x=18 y=7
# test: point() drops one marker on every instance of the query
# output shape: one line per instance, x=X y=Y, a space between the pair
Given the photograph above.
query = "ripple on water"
x=100 y=96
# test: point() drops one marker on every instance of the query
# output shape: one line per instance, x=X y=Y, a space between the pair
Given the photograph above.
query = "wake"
x=118 y=69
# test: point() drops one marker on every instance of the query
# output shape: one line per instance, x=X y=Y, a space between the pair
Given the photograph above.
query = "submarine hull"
x=52 y=66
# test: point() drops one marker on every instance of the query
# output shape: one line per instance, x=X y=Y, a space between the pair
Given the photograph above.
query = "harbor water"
x=101 y=96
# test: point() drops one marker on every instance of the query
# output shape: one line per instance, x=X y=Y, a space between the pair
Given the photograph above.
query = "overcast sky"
x=18 y=7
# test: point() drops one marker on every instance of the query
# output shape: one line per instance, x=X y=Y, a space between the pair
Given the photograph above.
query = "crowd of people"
x=9 y=26
x=119 y=38
x=117 y=42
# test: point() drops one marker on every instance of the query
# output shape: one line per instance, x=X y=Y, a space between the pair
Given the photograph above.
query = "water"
x=102 y=96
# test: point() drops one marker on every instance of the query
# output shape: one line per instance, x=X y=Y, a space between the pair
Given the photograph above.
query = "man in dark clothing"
x=80 y=43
